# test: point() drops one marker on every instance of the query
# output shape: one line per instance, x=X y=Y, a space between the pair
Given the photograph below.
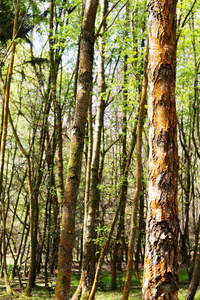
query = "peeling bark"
x=161 y=260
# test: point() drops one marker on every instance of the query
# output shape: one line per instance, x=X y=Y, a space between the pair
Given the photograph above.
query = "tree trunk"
x=141 y=230
x=92 y=205
x=195 y=275
x=33 y=195
x=186 y=187
x=77 y=141
x=3 y=143
x=118 y=209
x=161 y=257
x=127 y=285
x=16 y=266
x=120 y=228
x=57 y=107
x=78 y=292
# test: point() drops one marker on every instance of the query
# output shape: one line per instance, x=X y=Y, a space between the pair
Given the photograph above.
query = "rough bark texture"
x=77 y=141
x=161 y=261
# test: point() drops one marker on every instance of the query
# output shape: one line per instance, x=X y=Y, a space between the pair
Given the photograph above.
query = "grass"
x=105 y=281
x=183 y=276
x=183 y=291
x=117 y=295
x=104 y=291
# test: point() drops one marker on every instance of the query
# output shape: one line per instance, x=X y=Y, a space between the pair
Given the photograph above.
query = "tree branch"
x=104 y=19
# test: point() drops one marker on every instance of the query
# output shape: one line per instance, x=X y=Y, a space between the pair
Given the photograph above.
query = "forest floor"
x=104 y=291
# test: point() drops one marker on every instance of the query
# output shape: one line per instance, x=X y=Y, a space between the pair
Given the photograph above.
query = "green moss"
x=60 y=278
x=27 y=291
x=78 y=293
x=85 y=295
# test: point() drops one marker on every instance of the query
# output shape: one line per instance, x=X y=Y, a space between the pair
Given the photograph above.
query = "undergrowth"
x=104 y=291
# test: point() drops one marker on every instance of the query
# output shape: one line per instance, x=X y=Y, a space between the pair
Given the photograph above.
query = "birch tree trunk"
x=77 y=141
x=161 y=258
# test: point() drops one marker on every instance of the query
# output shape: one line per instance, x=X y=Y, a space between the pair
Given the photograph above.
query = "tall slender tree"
x=3 y=140
x=84 y=89
x=161 y=258
x=127 y=285
x=194 y=283
x=92 y=205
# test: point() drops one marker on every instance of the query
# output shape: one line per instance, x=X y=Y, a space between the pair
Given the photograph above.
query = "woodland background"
x=39 y=134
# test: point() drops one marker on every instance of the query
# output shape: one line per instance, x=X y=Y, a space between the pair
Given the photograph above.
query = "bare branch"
x=185 y=20
x=104 y=19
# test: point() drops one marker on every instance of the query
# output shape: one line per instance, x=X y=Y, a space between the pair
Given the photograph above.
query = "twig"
x=106 y=15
